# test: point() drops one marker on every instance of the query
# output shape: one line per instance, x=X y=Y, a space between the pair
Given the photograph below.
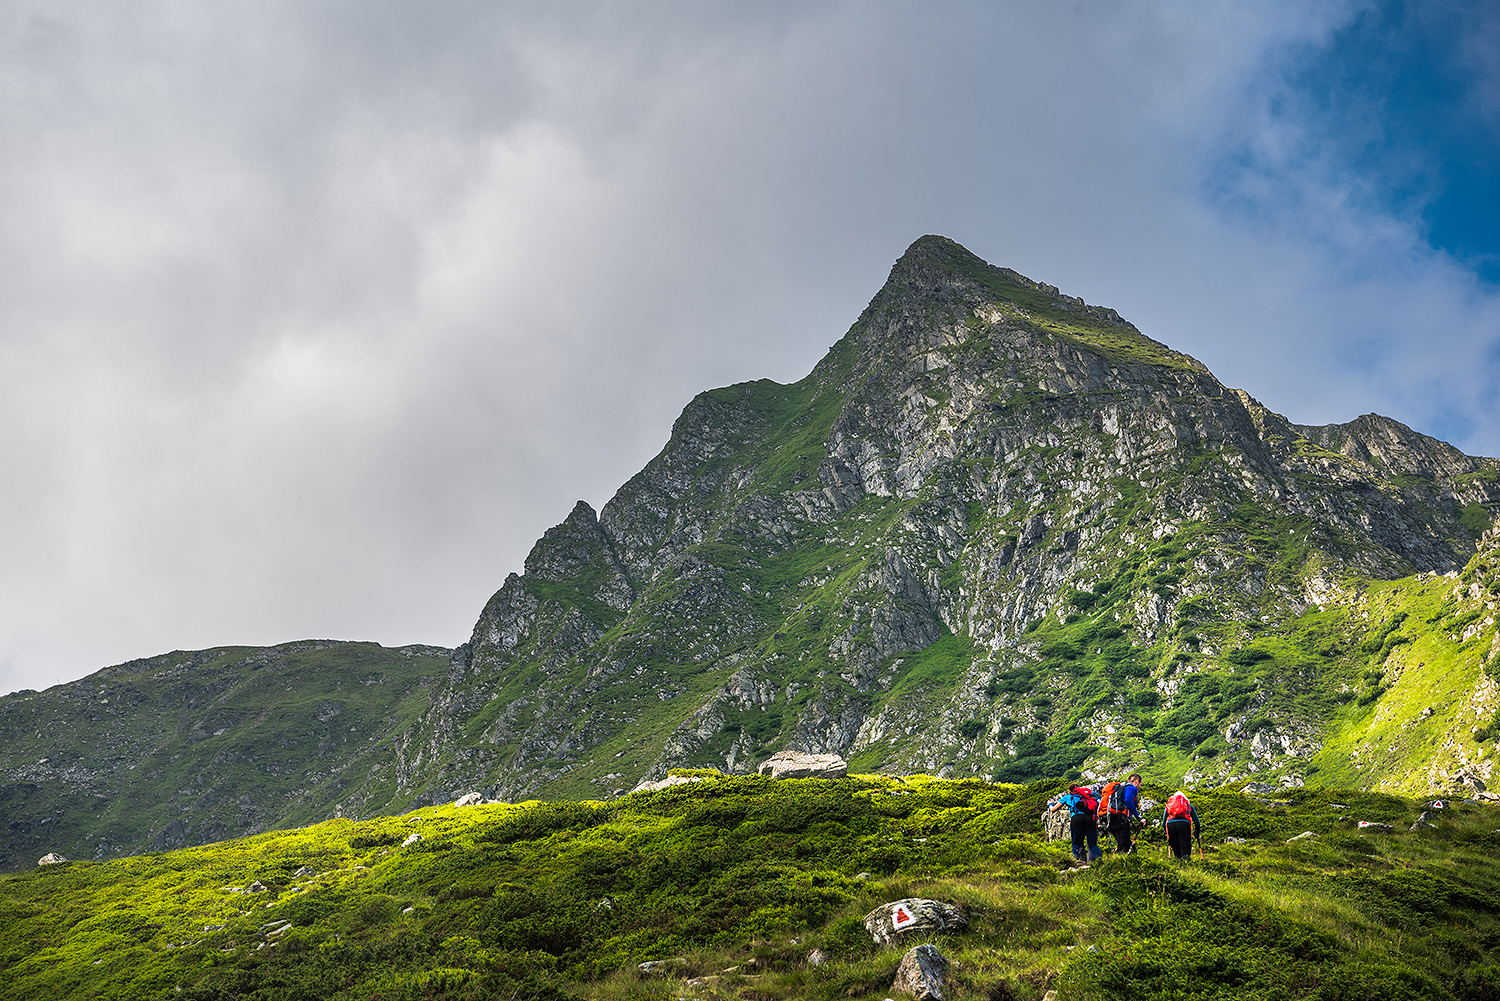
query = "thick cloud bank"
x=315 y=316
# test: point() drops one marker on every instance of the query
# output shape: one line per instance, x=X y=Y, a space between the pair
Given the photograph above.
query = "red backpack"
x=1083 y=804
x=1178 y=807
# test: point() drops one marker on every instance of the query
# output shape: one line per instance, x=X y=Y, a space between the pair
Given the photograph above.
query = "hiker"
x=1081 y=805
x=1182 y=825
x=1120 y=812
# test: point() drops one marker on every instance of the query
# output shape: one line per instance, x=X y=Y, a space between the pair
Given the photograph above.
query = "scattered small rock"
x=888 y=922
x=305 y=871
x=862 y=876
x=1260 y=789
x=659 y=965
x=1236 y=841
x=1301 y=837
x=1423 y=822
x=796 y=765
x=1375 y=827
x=817 y=957
x=411 y=839
x=604 y=905
x=921 y=973
x=1338 y=806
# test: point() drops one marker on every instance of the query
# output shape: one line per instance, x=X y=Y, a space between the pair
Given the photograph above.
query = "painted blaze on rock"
x=888 y=922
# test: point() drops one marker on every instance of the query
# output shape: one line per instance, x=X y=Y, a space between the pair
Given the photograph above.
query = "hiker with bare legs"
x=1182 y=825
x=1081 y=807
x=1119 y=811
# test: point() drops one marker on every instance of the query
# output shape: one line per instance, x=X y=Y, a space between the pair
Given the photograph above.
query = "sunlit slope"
x=740 y=879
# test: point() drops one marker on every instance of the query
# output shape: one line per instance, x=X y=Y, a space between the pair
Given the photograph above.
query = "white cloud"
x=314 y=317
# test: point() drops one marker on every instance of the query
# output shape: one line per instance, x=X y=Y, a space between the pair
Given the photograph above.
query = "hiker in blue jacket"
x=1123 y=824
x=1081 y=806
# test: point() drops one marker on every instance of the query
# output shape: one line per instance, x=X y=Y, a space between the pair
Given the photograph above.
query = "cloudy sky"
x=314 y=315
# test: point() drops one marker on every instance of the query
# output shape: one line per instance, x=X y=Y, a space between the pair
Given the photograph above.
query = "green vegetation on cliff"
x=192 y=747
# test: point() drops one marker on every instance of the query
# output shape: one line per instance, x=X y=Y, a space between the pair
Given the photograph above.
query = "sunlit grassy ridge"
x=741 y=878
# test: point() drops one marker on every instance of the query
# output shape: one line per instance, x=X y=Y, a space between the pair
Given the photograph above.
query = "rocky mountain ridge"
x=897 y=557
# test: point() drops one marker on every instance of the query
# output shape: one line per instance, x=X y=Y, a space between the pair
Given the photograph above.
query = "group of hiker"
x=1113 y=809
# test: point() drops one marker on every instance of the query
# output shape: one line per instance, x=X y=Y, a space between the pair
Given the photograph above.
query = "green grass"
x=737 y=880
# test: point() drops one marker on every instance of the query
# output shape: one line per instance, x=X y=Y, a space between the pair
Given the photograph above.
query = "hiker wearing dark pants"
x=1079 y=802
x=1123 y=810
x=1182 y=826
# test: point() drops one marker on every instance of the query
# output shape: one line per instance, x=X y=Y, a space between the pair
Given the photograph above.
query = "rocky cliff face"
x=996 y=530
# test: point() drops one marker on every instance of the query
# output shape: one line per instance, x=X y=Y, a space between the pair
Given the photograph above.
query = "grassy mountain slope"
x=193 y=747
x=736 y=880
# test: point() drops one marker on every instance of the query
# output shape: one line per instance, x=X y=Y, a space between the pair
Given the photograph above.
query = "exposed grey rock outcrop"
x=922 y=973
x=796 y=765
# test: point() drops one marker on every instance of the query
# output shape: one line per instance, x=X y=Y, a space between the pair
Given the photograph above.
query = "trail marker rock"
x=888 y=922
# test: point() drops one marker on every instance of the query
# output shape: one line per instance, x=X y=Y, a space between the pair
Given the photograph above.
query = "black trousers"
x=1119 y=826
x=1180 y=837
x=1084 y=832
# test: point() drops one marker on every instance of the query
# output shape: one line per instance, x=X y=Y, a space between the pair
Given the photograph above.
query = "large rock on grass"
x=921 y=973
x=796 y=765
x=1057 y=826
x=889 y=922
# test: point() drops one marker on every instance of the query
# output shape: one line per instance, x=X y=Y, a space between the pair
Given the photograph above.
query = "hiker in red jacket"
x=1182 y=825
